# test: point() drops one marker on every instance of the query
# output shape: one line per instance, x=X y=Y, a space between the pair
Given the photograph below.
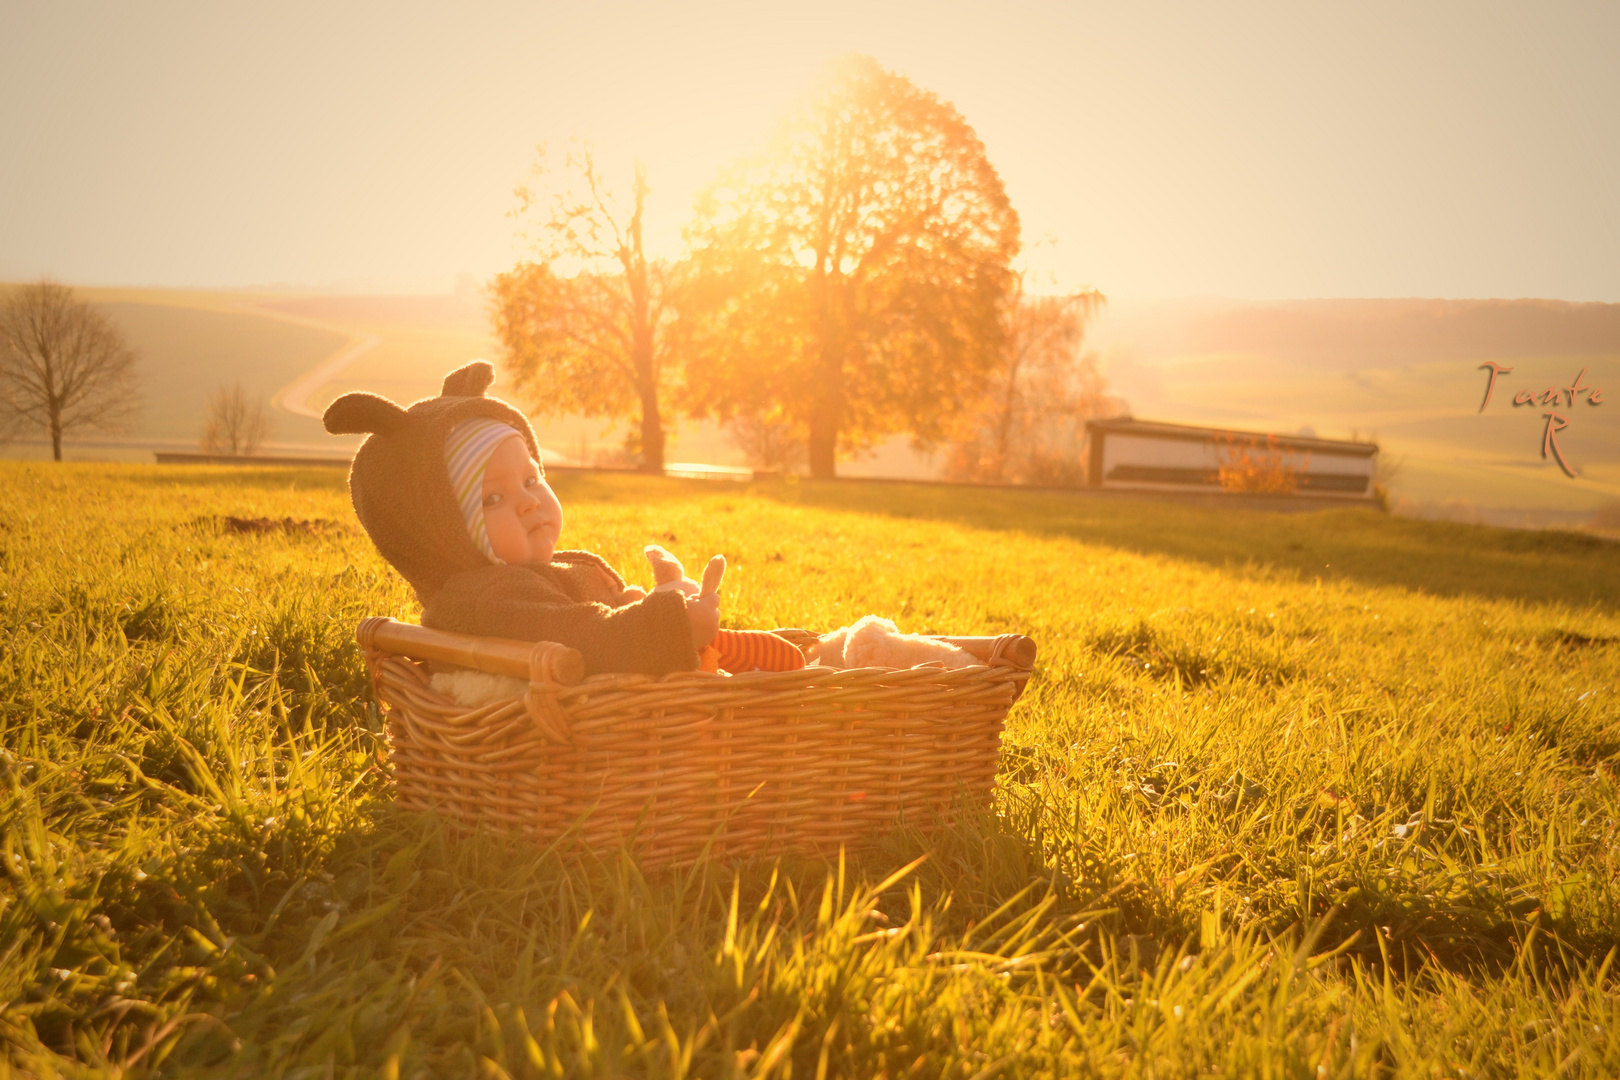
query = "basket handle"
x=545 y=664
x=551 y=666
x=1005 y=650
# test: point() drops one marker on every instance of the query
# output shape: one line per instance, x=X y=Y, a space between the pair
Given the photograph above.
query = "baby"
x=452 y=493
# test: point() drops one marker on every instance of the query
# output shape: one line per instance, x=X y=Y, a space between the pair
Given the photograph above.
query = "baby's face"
x=521 y=512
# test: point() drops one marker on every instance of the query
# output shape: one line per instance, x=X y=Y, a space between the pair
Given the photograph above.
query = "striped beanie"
x=466 y=453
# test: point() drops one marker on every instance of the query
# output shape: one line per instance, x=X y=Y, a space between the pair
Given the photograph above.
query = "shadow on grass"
x=586 y=487
x=1439 y=558
x=1365 y=546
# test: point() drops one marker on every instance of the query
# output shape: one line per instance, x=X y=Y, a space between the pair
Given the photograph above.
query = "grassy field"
x=1322 y=795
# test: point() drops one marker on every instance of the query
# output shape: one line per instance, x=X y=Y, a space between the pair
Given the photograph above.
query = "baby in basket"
x=452 y=492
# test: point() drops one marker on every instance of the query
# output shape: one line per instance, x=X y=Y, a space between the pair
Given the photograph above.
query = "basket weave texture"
x=739 y=764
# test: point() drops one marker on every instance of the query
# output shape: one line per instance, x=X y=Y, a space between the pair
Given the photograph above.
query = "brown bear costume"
x=401 y=492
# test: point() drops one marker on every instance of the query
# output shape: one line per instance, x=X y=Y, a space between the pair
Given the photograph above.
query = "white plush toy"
x=475 y=689
x=877 y=642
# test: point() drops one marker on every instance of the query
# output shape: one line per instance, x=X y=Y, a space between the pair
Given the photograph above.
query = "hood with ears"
x=399 y=482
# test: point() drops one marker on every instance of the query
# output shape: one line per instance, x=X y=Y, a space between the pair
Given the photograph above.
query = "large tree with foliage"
x=584 y=325
x=849 y=280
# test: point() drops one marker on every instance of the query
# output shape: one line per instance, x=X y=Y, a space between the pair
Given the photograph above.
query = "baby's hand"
x=703 y=610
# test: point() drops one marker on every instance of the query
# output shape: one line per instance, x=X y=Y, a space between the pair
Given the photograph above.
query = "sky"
x=1248 y=150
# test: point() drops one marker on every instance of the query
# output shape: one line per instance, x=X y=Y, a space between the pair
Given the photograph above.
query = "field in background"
x=422 y=338
x=1405 y=371
x=193 y=341
x=1239 y=830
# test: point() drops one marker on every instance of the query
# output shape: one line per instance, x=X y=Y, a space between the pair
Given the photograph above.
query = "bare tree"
x=237 y=424
x=1037 y=400
x=586 y=325
x=62 y=365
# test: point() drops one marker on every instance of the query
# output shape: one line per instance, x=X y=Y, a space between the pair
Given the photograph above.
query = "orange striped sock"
x=756 y=650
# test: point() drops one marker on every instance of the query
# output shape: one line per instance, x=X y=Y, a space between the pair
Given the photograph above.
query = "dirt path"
x=295 y=396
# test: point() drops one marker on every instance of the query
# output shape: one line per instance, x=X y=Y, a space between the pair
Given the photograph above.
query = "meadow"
x=1323 y=795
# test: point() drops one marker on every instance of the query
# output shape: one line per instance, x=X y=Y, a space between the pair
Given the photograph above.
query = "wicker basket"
x=742 y=764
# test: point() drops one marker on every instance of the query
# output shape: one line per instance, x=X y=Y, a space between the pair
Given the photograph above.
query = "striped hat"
x=400 y=477
x=466 y=454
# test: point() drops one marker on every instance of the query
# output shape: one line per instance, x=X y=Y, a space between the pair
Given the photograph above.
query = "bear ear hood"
x=400 y=483
x=470 y=381
x=362 y=414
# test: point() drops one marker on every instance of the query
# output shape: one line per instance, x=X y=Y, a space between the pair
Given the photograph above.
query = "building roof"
x=1157 y=429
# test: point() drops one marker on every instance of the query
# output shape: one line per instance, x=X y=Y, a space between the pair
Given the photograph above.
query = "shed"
x=1148 y=455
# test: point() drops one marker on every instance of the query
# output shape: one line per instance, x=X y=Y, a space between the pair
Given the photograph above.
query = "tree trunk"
x=652 y=431
x=826 y=413
x=633 y=258
x=56 y=441
x=823 y=449
x=641 y=357
x=641 y=349
x=1004 y=426
x=827 y=406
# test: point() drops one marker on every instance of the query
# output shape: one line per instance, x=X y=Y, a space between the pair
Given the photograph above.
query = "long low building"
x=1146 y=455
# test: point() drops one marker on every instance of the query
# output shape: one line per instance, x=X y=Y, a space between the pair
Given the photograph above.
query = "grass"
x=1325 y=795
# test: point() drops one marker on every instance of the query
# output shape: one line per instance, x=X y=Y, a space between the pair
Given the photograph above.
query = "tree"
x=1031 y=424
x=63 y=366
x=850 y=278
x=236 y=424
x=586 y=325
x=768 y=440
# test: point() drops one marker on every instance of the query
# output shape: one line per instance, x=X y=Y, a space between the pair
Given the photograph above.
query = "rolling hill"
x=1406 y=372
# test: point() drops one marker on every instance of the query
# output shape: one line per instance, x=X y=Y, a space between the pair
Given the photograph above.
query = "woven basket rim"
x=1003 y=650
x=809 y=675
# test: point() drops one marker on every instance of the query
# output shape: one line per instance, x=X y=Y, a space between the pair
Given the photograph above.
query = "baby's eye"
x=531 y=481
x=492 y=499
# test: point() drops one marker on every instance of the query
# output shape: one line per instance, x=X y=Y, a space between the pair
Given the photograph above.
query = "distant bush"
x=1249 y=465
